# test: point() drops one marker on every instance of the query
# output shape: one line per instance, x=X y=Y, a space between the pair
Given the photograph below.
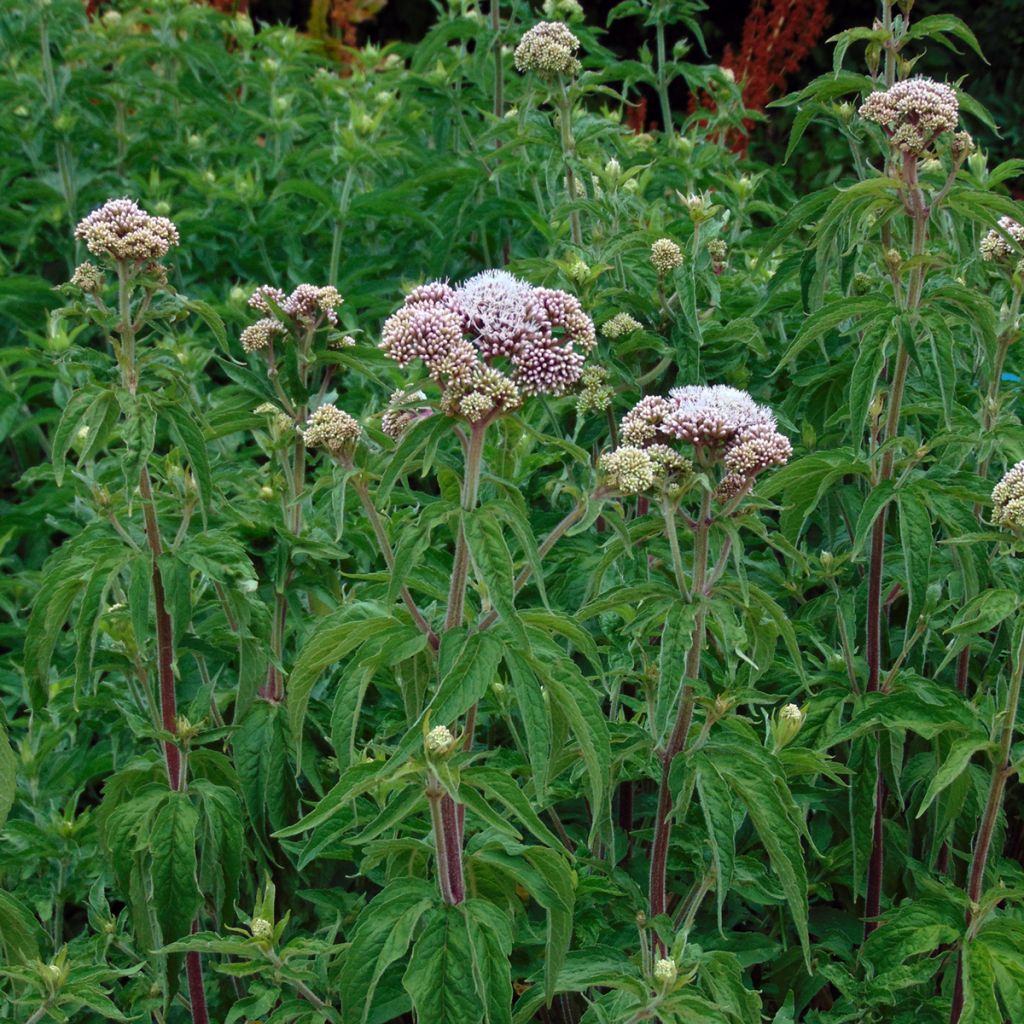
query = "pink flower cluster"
x=307 y=304
x=122 y=230
x=491 y=340
x=722 y=423
x=913 y=112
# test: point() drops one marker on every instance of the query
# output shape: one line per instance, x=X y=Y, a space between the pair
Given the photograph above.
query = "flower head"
x=495 y=338
x=994 y=246
x=1008 y=499
x=629 y=469
x=665 y=256
x=88 y=277
x=331 y=428
x=619 y=325
x=665 y=972
x=913 y=112
x=259 y=335
x=439 y=741
x=722 y=423
x=549 y=49
x=122 y=230
x=398 y=416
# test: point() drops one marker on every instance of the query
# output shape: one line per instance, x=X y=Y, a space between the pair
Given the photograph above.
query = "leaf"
x=260 y=746
x=938 y=25
x=21 y=938
x=829 y=318
x=954 y=765
x=493 y=562
x=189 y=437
x=757 y=778
x=716 y=804
x=8 y=773
x=353 y=782
x=917 y=541
x=502 y=786
x=533 y=712
x=172 y=843
x=381 y=937
x=490 y=940
x=332 y=639
x=439 y=978
x=211 y=318
x=866 y=370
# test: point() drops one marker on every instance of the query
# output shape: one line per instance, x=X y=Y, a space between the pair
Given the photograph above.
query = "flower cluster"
x=665 y=256
x=88 y=277
x=439 y=741
x=308 y=304
x=122 y=230
x=259 y=335
x=401 y=414
x=595 y=394
x=995 y=247
x=913 y=112
x=469 y=336
x=1008 y=499
x=620 y=325
x=549 y=49
x=718 y=250
x=722 y=423
x=332 y=429
x=633 y=470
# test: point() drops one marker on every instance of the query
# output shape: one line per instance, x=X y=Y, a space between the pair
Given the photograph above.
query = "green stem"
x=568 y=154
x=666 y=108
x=470 y=489
x=499 y=67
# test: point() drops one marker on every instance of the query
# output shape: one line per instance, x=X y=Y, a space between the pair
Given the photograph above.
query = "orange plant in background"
x=344 y=15
x=776 y=41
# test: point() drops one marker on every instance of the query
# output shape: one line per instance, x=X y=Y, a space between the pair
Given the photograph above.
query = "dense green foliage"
x=459 y=718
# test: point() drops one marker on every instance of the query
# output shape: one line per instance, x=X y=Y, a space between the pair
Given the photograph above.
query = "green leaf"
x=917 y=541
x=490 y=940
x=172 y=843
x=381 y=937
x=8 y=772
x=866 y=370
x=493 y=562
x=353 y=782
x=211 y=318
x=937 y=26
x=333 y=639
x=189 y=437
x=954 y=765
x=439 y=978
x=504 y=788
x=21 y=938
x=716 y=804
x=829 y=318
x=757 y=778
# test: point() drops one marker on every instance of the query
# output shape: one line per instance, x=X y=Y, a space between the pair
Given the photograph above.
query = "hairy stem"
x=684 y=713
x=436 y=796
x=568 y=154
x=919 y=213
x=389 y=557
x=470 y=489
x=1001 y=770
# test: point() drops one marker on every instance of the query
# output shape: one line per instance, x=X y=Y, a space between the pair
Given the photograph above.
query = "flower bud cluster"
x=913 y=113
x=665 y=256
x=399 y=416
x=548 y=49
x=1008 y=499
x=88 y=277
x=718 y=250
x=633 y=470
x=490 y=341
x=620 y=325
x=595 y=394
x=331 y=428
x=722 y=423
x=259 y=335
x=439 y=741
x=122 y=230
x=308 y=304
x=995 y=248
x=665 y=972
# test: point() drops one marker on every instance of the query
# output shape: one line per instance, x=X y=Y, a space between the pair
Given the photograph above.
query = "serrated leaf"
x=172 y=844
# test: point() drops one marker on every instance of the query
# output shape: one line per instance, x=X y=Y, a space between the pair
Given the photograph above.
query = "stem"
x=435 y=796
x=389 y=557
x=666 y=108
x=470 y=489
x=668 y=511
x=919 y=213
x=568 y=152
x=1001 y=771
x=684 y=714
x=196 y=993
x=499 y=68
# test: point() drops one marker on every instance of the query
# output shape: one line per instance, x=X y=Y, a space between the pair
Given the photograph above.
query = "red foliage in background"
x=775 y=42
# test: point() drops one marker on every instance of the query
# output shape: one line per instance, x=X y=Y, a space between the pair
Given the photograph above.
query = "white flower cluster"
x=259 y=335
x=88 y=277
x=122 y=230
x=722 y=423
x=1008 y=499
x=913 y=112
x=633 y=470
x=996 y=248
x=665 y=256
x=331 y=428
x=308 y=304
x=549 y=49
x=619 y=325
x=468 y=337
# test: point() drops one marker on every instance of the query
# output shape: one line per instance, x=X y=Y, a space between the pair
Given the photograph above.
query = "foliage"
x=470 y=703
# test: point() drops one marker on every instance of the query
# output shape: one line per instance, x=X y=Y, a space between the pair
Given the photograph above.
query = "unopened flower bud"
x=786 y=724
x=262 y=930
x=665 y=972
x=665 y=256
x=439 y=741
